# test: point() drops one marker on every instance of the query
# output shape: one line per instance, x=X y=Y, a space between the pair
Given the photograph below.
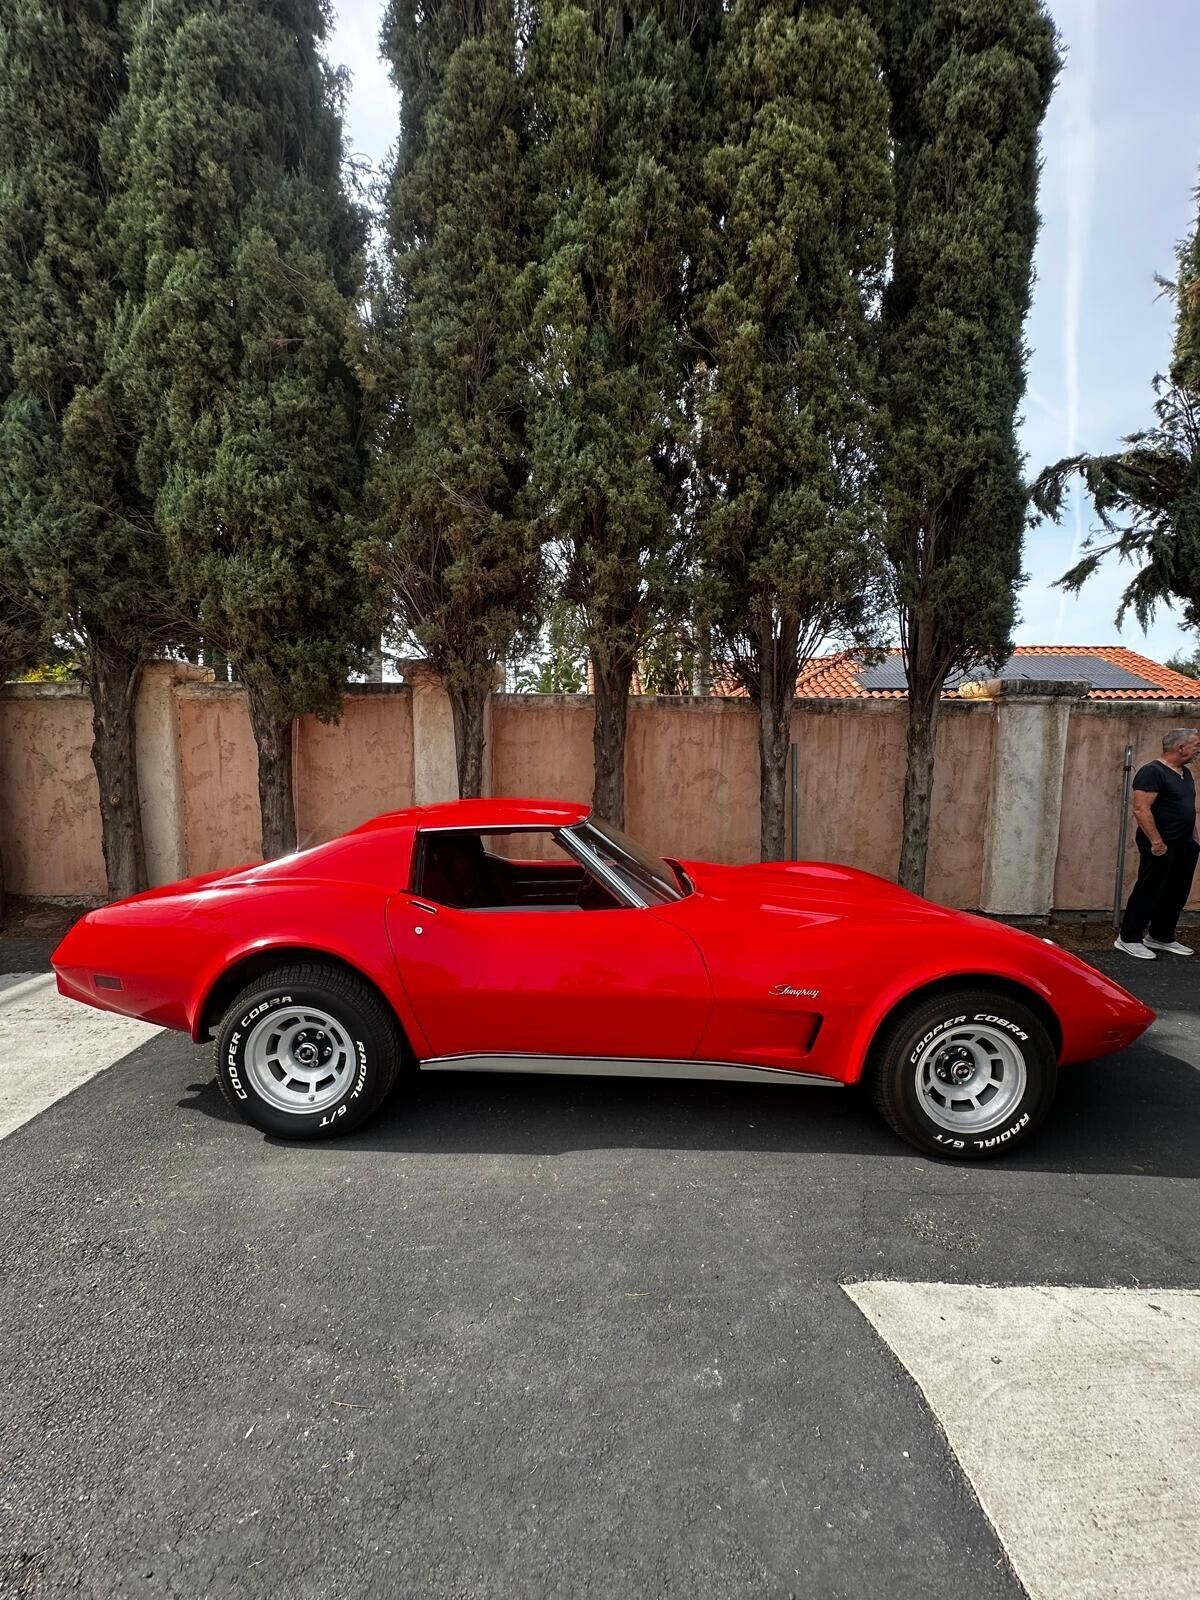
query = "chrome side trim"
x=623 y=1067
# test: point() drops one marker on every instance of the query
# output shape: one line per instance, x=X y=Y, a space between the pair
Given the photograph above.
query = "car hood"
x=813 y=887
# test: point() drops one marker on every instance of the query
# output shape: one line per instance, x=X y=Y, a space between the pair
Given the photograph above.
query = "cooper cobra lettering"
x=952 y=1022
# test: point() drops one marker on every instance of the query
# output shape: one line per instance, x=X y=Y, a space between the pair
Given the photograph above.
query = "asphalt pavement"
x=534 y=1336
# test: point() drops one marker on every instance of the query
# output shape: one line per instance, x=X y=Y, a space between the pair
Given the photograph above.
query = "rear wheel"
x=965 y=1074
x=307 y=1051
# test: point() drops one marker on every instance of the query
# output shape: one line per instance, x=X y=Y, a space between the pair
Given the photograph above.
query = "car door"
x=613 y=982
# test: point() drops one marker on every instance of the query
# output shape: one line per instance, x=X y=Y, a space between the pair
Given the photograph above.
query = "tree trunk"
x=468 y=706
x=776 y=691
x=772 y=785
x=2 y=894
x=113 y=679
x=613 y=675
x=924 y=702
x=276 y=800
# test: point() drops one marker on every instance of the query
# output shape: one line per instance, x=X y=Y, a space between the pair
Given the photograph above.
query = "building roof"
x=1114 y=673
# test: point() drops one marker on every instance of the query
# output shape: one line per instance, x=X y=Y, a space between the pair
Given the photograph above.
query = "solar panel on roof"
x=888 y=674
x=1096 y=670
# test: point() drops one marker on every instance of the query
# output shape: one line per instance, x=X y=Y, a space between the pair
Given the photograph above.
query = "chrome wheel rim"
x=299 y=1059
x=971 y=1078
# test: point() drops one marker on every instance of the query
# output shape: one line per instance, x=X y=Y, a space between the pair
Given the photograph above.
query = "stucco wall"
x=49 y=801
x=542 y=746
x=965 y=745
x=219 y=769
x=851 y=775
x=691 y=779
x=350 y=770
x=1085 y=871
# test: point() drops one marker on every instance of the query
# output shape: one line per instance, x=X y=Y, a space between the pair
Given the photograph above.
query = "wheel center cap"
x=955 y=1066
x=306 y=1055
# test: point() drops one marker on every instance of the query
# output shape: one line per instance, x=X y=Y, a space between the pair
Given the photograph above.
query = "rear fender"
x=351 y=932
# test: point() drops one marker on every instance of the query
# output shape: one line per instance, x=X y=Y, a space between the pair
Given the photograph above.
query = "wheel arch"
x=960 y=982
x=258 y=963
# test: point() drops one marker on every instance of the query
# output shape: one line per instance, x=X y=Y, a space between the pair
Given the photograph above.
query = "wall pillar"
x=160 y=776
x=435 y=767
x=1020 y=844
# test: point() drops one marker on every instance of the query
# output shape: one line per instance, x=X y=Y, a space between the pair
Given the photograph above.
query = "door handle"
x=423 y=905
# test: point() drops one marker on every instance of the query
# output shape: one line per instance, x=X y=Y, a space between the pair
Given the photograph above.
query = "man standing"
x=1164 y=803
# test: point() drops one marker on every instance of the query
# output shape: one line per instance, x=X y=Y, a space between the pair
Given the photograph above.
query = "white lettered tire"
x=307 y=1051
x=965 y=1075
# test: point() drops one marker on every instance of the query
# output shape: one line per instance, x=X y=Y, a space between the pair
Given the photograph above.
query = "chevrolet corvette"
x=530 y=936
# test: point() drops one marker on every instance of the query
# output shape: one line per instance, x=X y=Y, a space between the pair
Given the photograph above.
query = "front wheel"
x=307 y=1051
x=964 y=1075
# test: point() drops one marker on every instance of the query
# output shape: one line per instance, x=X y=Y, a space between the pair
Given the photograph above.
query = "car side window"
x=504 y=870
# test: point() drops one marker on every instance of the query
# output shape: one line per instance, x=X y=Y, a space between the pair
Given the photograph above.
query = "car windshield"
x=649 y=879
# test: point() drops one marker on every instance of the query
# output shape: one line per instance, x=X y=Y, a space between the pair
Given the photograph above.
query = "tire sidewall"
x=954 y=1012
x=356 y=1102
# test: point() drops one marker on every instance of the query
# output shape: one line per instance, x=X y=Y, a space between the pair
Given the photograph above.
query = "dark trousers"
x=1161 y=891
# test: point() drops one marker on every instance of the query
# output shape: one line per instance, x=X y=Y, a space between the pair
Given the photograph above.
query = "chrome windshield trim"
x=592 y=863
x=623 y=1067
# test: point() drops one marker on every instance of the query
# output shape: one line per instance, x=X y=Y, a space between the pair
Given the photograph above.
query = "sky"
x=1120 y=153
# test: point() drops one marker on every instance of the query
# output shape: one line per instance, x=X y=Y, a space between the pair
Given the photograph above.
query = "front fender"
x=1095 y=1016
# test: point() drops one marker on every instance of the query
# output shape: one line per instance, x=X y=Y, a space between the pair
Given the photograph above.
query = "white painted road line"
x=50 y=1045
x=1075 y=1414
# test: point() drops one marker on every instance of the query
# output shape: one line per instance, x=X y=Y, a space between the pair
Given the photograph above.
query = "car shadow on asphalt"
x=1136 y=1114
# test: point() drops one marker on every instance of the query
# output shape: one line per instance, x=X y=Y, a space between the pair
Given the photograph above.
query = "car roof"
x=486 y=813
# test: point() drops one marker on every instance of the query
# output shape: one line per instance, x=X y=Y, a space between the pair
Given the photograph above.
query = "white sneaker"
x=1171 y=946
x=1135 y=949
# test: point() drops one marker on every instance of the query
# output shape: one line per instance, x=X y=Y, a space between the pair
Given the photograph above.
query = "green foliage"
x=23 y=632
x=1188 y=665
x=1185 y=360
x=667 y=663
x=557 y=664
x=970 y=82
x=617 y=99
x=72 y=518
x=1147 y=496
x=64 y=671
x=241 y=258
x=453 y=542
x=800 y=191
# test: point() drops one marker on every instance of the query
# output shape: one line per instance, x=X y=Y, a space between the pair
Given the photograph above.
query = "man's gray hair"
x=1178 y=736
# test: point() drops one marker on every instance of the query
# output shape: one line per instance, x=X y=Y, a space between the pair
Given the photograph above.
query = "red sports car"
x=529 y=936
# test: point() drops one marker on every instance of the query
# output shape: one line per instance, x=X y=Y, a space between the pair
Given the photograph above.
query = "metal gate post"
x=1122 y=836
x=794 y=773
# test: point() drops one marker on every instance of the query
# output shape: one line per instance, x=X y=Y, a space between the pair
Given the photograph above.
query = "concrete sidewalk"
x=50 y=1045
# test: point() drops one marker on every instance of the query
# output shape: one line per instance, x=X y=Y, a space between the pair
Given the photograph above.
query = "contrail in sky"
x=1078 y=172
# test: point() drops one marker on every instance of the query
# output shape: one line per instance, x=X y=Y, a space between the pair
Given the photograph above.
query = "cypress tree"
x=453 y=539
x=970 y=81
x=617 y=91
x=800 y=188
x=24 y=637
x=242 y=259
x=1147 y=495
x=76 y=529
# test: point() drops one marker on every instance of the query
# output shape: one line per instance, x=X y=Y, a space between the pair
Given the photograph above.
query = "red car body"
x=788 y=969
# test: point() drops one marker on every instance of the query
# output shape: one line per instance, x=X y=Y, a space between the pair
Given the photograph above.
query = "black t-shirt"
x=1174 y=809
